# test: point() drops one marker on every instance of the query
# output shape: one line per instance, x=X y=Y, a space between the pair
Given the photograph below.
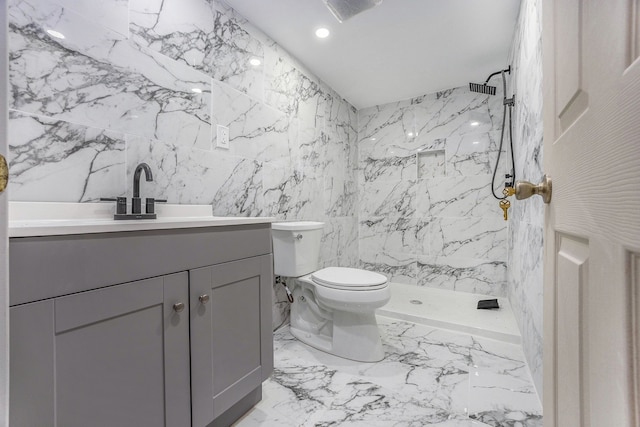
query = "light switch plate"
x=222 y=137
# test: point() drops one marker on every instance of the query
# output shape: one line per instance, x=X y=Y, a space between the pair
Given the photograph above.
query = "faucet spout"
x=136 y=177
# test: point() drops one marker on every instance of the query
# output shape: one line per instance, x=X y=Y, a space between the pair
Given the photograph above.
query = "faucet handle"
x=150 y=204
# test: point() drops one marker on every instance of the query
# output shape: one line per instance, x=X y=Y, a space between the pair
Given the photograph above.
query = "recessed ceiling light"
x=196 y=90
x=56 y=34
x=373 y=139
x=322 y=33
x=255 y=62
x=410 y=134
x=476 y=142
x=474 y=123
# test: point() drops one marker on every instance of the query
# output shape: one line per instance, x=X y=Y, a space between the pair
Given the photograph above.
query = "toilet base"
x=353 y=336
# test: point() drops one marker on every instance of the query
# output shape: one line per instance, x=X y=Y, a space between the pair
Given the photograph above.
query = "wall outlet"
x=222 y=137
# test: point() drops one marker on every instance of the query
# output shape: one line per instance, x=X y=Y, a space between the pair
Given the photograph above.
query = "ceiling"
x=397 y=50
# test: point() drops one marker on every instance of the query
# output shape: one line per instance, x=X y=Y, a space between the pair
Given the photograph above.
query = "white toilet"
x=333 y=308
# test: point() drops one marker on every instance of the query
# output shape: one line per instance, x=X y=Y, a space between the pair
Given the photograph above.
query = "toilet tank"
x=296 y=247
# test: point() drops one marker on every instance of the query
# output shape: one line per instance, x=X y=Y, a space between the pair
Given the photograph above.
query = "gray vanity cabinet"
x=103 y=357
x=148 y=328
x=231 y=350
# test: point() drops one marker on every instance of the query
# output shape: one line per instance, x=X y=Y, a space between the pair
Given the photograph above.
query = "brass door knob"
x=525 y=189
x=178 y=307
x=204 y=298
x=4 y=173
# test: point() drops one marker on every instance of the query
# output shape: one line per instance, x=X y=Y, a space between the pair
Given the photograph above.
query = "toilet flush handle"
x=298 y=236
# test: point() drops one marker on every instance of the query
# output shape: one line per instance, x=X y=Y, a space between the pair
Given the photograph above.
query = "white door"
x=4 y=241
x=591 y=51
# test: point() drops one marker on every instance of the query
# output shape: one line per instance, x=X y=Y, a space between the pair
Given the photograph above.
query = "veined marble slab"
x=428 y=377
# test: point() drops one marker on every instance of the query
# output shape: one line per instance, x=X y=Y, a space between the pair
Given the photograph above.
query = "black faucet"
x=136 y=202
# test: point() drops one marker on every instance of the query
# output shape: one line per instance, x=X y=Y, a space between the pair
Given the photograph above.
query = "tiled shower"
x=403 y=188
x=426 y=212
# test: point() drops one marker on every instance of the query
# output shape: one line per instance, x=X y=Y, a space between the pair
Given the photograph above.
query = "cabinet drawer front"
x=94 y=306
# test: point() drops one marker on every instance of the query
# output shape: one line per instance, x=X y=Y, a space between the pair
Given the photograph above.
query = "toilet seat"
x=349 y=279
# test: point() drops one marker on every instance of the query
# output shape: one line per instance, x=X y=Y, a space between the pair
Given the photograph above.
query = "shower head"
x=482 y=88
x=345 y=9
x=486 y=89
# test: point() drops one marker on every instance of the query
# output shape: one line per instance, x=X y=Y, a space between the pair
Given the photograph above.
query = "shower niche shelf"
x=431 y=164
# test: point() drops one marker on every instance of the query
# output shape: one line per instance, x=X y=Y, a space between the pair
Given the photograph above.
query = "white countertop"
x=29 y=219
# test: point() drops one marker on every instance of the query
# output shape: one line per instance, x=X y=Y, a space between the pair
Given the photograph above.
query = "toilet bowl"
x=333 y=308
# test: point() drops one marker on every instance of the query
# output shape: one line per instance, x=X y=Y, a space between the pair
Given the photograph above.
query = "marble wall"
x=149 y=81
x=525 y=278
x=426 y=213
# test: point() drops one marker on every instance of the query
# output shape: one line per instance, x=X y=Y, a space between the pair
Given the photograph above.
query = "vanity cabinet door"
x=117 y=356
x=231 y=334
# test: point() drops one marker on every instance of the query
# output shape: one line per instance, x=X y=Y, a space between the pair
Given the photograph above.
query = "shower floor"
x=431 y=376
x=452 y=310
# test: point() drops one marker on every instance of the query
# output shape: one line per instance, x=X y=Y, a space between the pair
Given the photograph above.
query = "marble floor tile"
x=429 y=377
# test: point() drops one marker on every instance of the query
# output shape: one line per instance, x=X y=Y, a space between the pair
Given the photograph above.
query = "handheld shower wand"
x=507 y=102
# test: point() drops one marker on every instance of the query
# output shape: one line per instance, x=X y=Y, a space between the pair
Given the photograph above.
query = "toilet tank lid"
x=297 y=225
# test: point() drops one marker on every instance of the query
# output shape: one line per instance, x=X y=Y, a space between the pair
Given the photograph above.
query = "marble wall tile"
x=463 y=274
x=306 y=195
x=468 y=196
x=256 y=131
x=495 y=102
x=180 y=175
x=338 y=124
x=350 y=256
x=112 y=14
x=387 y=198
x=278 y=182
x=97 y=78
x=480 y=238
x=475 y=154
x=282 y=80
x=452 y=112
x=388 y=234
x=286 y=87
x=52 y=160
x=386 y=125
x=200 y=34
x=339 y=243
x=526 y=227
x=525 y=277
x=234 y=48
x=241 y=193
x=393 y=168
x=340 y=195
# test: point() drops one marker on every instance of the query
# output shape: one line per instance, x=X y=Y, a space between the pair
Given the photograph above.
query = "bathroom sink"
x=27 y=219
